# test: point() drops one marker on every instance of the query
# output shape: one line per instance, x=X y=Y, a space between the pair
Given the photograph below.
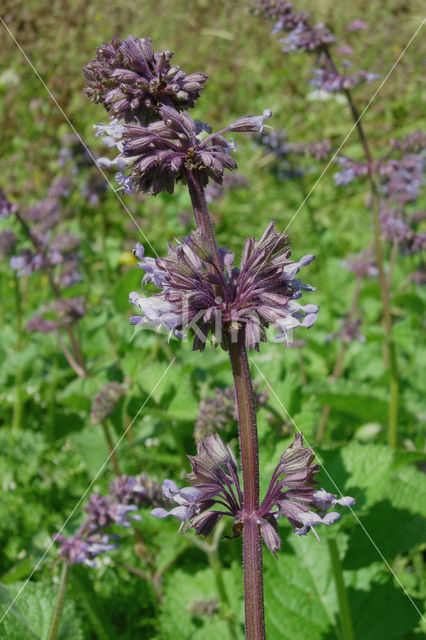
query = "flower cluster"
x=218 y=412
x=215 y=492
x=202 y=297
x=303 y=36
x=362 y=264
x=57 y=315
x=327 y=78
x=153 y=157
x=105 y=401
x=140 y=490
x=349 y=332
x=399 y=228
x=126 y=495
x=53 y=251
x=132 y=81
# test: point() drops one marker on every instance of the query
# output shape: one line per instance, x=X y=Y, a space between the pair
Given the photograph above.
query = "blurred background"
x=332 y=383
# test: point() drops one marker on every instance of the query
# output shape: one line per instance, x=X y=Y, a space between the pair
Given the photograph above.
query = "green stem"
x=52 y=399
x=383 y=281
x=342 y=595
x=387 y=319
x=111 y=448
x=216 y=567
x=17 y=406
x=59 y=606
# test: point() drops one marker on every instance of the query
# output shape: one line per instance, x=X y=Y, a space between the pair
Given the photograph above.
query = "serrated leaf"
x=30 y=616
x=360 y=470
x=299 y=596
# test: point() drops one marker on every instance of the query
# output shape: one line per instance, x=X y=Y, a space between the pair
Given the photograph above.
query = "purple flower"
x=349 y=331
x=362 y=264
x=357 y=25
x=103 y=511
x=215 y=480
x=216 y=492
x=295 y=496
x=412 y=143
x=83 y=549
x=202 y=298
x=132 y=81
x=153 y=157
x=57 y=315
x=141 y=491
x=304 y=37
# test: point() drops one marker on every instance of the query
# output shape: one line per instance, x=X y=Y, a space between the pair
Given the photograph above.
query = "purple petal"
x=159 y=513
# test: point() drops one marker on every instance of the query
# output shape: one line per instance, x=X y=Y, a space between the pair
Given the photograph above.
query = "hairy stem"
x=59 y=606
x=342 y=595
x=201 y=212
x=252 y=549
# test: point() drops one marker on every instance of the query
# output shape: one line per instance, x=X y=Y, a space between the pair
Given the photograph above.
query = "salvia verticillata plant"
x=202 y=295
x=394 y=179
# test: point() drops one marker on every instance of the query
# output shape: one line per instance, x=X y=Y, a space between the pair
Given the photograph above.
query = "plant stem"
x=201 y=212
x=383 y=281
x=252 y=549
x=17 y=406
x=110 y=444
x=59 y=606
x=342 y=595
x=52 y=400
x=216 y=567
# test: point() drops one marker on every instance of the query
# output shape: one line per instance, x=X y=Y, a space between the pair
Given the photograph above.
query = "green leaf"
x=130 y=281
x=79 y=393
x=360 y=470
x=300 y=600
x=352 y=398
x=183 y=589
x=30 y=616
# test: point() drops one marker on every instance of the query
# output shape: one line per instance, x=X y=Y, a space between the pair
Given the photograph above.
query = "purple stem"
x=252 y=546
x=252 y=549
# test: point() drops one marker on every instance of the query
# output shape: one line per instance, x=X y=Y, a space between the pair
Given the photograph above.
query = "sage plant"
x=389 y=178
x=203 y=296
